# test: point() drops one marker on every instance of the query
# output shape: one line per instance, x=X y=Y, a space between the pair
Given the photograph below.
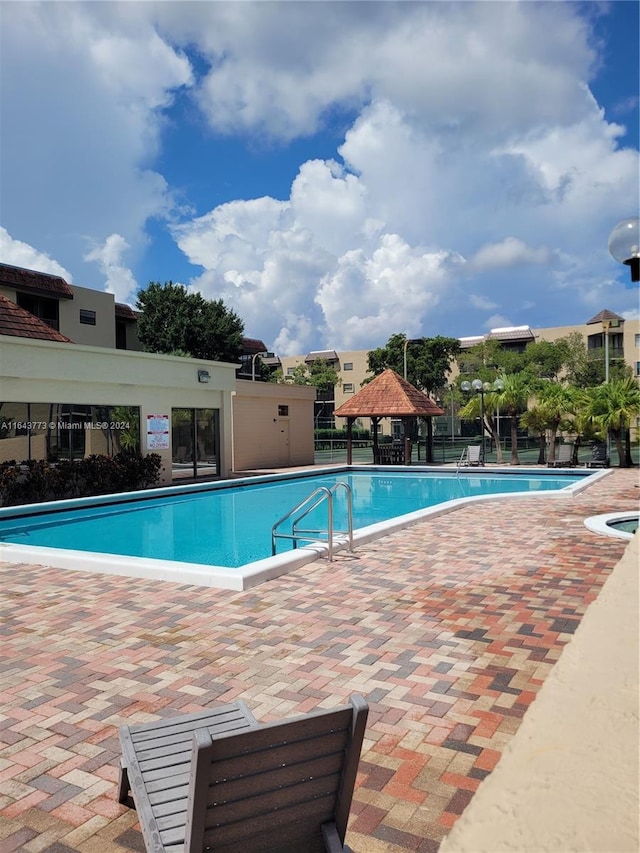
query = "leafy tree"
x=320 y=373
x=428 y=360
x=546 y=359
x=612 y=407
x=323 y=375
x=174 y=320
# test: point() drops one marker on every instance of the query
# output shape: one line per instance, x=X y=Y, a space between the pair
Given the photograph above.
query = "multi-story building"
x=605 y=334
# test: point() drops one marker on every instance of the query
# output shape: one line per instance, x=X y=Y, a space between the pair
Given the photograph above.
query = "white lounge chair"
x=472 y=455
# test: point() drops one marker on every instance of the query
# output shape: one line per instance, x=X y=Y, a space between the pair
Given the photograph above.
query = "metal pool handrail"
x=318 y=496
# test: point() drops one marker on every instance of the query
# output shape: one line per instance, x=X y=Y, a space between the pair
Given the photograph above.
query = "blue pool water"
x=230 y=525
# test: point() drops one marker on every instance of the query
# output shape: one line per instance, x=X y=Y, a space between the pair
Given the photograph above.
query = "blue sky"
x=336 y=172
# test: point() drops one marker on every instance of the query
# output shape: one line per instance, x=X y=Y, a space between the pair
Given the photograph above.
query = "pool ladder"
x=301 y=510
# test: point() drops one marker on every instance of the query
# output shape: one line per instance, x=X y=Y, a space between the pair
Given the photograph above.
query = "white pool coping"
x=251 y=574
x=600 y=523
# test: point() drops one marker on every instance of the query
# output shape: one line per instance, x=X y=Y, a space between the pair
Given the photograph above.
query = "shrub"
x=35 y=480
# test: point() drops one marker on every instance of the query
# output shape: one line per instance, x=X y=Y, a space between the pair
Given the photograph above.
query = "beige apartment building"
x=622 y=339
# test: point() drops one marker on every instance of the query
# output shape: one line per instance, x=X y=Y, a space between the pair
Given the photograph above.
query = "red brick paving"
x=449 y=628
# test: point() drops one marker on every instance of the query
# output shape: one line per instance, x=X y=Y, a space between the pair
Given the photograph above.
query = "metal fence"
x=447 y=452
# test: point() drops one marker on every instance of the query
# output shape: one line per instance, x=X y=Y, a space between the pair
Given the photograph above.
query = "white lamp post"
x=408 y=341
x=624 y=245
x=253 y=362
x=482 y=388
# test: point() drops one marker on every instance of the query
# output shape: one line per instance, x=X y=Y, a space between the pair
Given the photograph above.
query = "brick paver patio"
x=448 y=628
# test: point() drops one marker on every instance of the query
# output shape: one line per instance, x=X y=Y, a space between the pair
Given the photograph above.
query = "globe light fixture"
x=624 y=245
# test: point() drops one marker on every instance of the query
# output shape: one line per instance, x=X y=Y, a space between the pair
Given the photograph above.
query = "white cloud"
x=20 y=254
x=472 y=134
x=279 y=67
x=511 y=252
x=119 y=279
x=81 y=95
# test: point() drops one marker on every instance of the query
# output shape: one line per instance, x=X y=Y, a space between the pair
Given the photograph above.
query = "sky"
x=335 y=172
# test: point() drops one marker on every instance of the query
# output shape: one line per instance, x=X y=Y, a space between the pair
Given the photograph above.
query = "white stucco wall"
x=45 y=371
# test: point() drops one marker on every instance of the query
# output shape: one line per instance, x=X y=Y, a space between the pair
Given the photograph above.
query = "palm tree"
x=557 y=401
x=612 y=407
x=513 y=399
x=536 y=420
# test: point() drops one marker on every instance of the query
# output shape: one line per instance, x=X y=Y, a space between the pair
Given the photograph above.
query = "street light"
x=408 y=341
x=253 y=362
x=624 y=245
x=482 y=388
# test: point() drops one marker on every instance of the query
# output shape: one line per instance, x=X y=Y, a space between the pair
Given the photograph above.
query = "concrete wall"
x=568 y=781
x=45 y=371
x=103 y=334
x=262 y=437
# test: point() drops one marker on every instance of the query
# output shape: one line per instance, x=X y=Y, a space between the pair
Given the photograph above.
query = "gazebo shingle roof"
x=388 y=396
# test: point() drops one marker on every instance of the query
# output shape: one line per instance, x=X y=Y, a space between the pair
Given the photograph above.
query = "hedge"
x=35 y=481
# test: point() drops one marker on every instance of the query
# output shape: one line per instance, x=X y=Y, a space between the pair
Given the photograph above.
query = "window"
x=290 y=371
x=637 y=368
x=283 y=411
x=348 y=365
x=87 y=318
x=347 y=387
x=637 y=341
x=44 y=309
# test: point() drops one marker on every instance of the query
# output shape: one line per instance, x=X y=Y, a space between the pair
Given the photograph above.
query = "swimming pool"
x=219 y=534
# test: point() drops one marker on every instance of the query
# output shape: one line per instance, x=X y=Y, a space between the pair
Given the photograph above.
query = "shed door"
x=284 y=452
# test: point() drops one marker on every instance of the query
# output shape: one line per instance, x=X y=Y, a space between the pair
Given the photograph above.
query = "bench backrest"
x=276 y=785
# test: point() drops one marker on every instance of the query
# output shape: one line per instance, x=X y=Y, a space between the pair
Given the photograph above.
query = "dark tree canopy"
x=428 y=360
x=173 y=320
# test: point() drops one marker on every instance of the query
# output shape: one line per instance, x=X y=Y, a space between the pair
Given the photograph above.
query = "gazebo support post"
x=407 y=441
x=374 y=434
x=349 y=440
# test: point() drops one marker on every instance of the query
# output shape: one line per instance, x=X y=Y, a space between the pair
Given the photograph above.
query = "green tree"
x=555 y=402
x=174 y=320
x=612 y=407
x=513 y=399
x=536 y=420
x=428 y=360
x=323 y=375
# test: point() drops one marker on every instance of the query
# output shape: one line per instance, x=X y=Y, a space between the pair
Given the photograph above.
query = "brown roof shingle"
x=35 y=282
x=125 y=312
x=18 y=323
x=388 y=395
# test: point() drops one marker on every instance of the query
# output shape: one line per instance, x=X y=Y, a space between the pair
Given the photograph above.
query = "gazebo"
x=387 y=396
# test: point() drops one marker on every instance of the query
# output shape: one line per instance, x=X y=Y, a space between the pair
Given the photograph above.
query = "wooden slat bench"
x=219 y=780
